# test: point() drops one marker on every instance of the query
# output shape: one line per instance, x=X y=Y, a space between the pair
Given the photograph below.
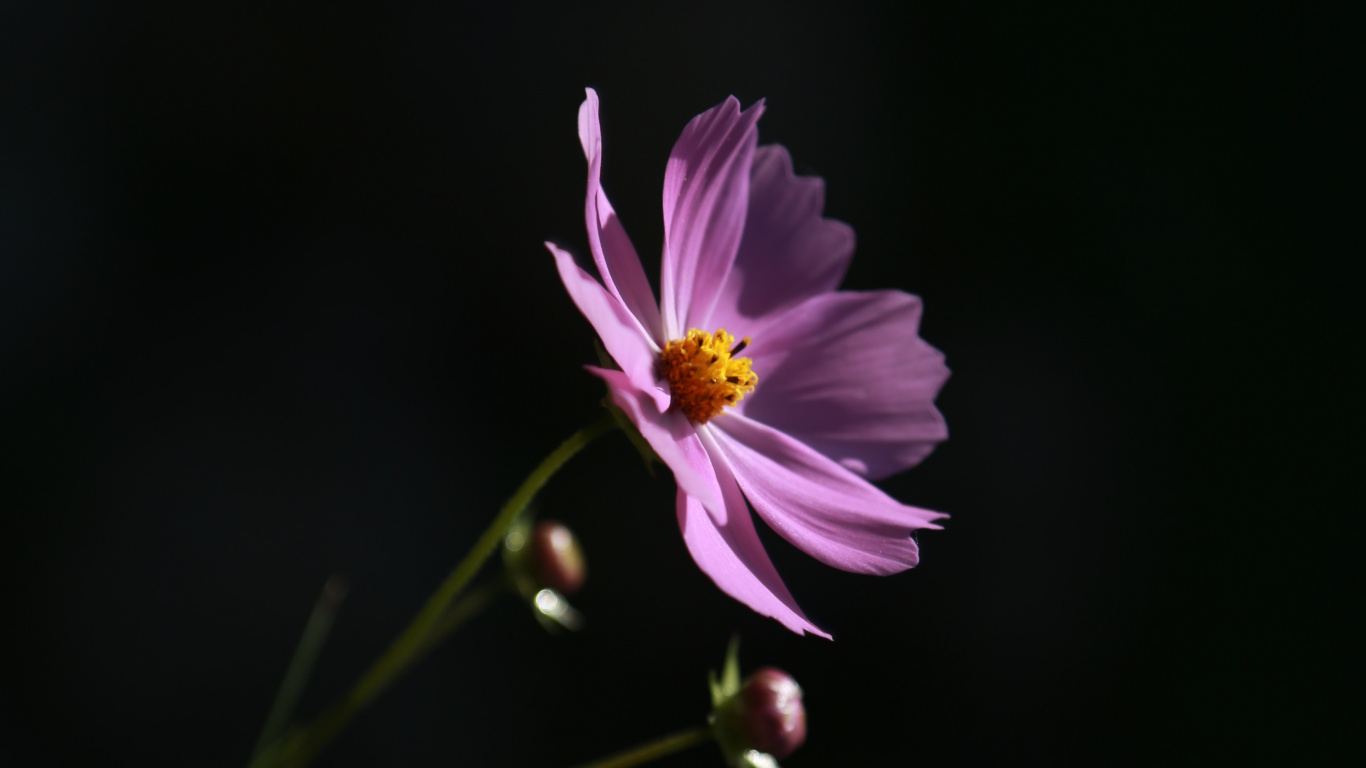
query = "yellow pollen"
x=703 y=377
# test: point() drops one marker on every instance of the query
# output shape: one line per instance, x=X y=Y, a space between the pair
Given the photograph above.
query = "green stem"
x=463 y=610
x=654 y=750
x=415 y=639
x=301 y=666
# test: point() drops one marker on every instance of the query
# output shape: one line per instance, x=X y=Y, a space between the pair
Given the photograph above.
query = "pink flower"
x=834 y=387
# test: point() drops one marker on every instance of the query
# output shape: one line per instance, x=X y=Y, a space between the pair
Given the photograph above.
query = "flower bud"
x=555 y=558
x=765 y=715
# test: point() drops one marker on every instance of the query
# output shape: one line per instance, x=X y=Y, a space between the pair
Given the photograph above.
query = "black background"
x=274 y=305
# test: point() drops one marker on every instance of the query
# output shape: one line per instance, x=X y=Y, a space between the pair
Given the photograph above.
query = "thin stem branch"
x=655 y=749
x=301 y=665
x=414 y=640
x=464 y=609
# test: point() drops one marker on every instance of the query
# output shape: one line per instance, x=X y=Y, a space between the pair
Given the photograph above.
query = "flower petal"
x=724 y=544
x=670 y=435
x=621 y=334
x=706 y=192
x=823 y=508
x=847 y=374
x=616 y=258
x=788 y=253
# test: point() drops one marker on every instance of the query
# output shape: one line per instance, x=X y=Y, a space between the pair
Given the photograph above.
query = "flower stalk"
x=418 y=638
x=654 y=750
x=301 y=666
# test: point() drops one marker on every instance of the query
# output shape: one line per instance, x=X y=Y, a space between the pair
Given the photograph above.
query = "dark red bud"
x=764 y=718
x=774 y=719
x=555 y=558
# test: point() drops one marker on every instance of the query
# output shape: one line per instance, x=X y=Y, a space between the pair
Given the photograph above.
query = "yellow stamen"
x=703 y=377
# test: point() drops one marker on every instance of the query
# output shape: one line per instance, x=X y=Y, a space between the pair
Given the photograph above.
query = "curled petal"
x=617 y=261
x=724 y=544
x=788 y=253
x=847 y=374
x=670 y=435
x=618 y=329
x=706 y=193
x=823 y=508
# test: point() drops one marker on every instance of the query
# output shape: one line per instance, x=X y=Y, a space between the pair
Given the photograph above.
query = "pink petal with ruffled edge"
x=616 y=326
x=617 y=261
x=724 y=544
x=670 y=435
x=788 y=253
x=706 y=194
x=824 y=509
x=848 y=375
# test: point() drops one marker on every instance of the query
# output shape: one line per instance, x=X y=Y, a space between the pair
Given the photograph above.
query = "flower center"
x=703 y=376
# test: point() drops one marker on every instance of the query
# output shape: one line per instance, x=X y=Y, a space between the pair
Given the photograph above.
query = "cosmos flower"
x=753 y=377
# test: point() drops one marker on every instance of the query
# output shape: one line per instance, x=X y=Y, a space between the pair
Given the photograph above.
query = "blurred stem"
x=301 y=665
x=464 y=609
x=654 y=750
x=416 y=639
